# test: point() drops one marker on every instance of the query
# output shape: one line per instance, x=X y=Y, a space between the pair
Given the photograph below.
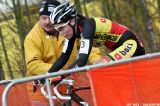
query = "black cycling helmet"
x=62 y=14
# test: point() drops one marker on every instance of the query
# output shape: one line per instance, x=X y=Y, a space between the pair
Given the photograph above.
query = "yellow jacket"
x=42 y=52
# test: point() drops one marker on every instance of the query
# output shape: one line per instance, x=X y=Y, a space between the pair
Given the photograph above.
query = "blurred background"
x=17 y=17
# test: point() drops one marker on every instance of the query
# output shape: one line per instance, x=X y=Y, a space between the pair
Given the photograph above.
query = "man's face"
x=46 y=23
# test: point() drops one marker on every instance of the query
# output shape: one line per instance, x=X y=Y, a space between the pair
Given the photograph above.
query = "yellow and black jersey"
x=98 y=31
x=107 y=32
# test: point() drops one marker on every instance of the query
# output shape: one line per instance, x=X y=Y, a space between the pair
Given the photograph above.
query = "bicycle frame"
x=70 y=94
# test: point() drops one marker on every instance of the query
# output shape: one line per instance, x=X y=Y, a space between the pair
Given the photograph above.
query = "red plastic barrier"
x=81 y=80
x=129 y=84
x=17 y=96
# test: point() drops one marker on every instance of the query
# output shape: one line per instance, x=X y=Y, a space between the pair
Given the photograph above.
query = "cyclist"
x=93 y=32
x=43 y=45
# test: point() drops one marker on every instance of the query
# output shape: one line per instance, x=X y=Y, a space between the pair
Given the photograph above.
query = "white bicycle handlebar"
x=45 y=93
x=64 y=81
x=55 y=89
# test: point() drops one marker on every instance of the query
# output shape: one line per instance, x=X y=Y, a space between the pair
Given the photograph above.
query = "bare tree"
x=17 y=9
x=85 y=7
x=22 y=24
x=6 y=56
x=149 y=27
x=135 y=23
x=106 y=9
x=158 y=6
x=28 y=15
x=2 y=77
x=116 y=10
x=78 y=5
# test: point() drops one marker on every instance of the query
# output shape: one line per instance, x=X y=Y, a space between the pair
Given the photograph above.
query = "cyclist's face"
x=46 y=23
x=66 y=31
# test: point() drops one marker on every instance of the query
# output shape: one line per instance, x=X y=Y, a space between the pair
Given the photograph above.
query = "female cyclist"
x=122 y=42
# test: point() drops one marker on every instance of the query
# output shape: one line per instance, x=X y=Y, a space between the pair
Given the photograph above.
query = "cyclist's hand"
x=38 y=83
x=55 y=80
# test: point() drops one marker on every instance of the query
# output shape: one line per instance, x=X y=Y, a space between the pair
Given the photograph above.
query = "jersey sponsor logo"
x=98 y=43
x=109 y=37
x=127 y=48
x=118 y=56
x=103 y=20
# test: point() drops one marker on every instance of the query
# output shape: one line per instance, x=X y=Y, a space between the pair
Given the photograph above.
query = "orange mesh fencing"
x=129 y=84
x=23 y=95
x=81 y=80
x=17 y=96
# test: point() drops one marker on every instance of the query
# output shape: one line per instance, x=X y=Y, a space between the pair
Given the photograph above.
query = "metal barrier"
x=81 y=69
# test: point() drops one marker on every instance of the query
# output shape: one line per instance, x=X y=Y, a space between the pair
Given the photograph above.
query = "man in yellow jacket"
x=43 y=45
